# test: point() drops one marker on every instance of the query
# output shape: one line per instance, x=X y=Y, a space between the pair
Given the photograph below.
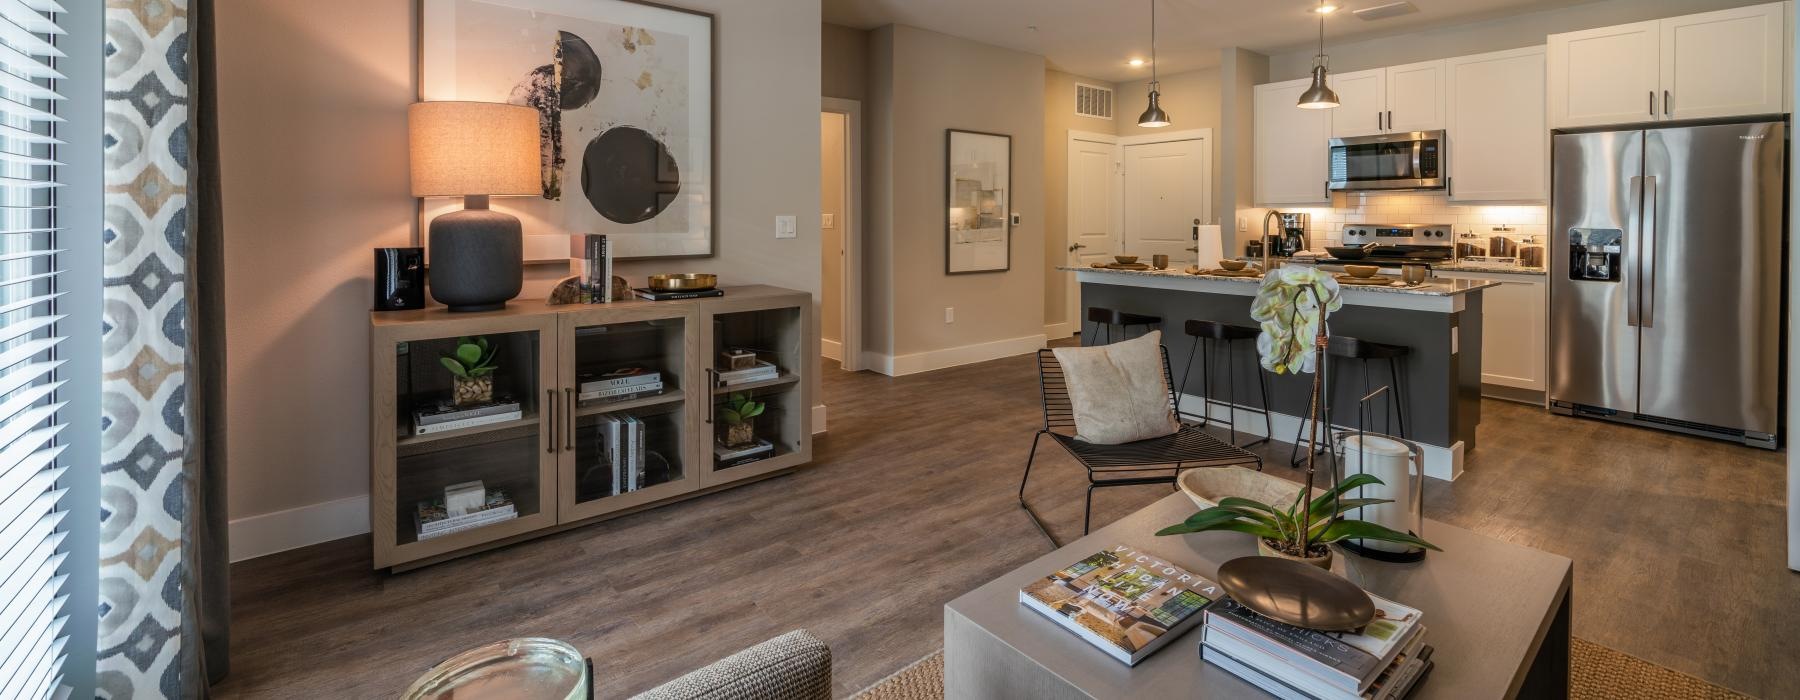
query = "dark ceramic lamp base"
x=477 y=258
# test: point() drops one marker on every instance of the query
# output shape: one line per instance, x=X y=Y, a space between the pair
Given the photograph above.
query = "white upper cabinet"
x=1723 y=64
x=1291 y=146
x=1715 y=64
x=1415 y=97
x=1362 y=103
x=1499 y=146
x=1386 y=100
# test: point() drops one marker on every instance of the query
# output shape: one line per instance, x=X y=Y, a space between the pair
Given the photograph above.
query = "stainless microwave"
x=1412 y=160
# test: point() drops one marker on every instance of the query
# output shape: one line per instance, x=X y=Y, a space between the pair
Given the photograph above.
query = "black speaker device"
x=399 y=279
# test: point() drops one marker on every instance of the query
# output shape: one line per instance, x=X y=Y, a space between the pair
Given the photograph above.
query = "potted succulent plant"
x=740 y=414
x=471 y=367
x=1291 y=533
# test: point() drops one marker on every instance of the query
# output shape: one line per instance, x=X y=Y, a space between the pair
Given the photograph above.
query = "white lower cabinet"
x=1514 y=328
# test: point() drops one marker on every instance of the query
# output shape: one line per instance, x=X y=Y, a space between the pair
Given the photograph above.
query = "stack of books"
x=733 y=456
x=622 y=449
x=653 y=295
x=763 y=371
x=1384 y=661
x=620 y=384
x=434 y=520
x=446 y=416
x=1124 y=601
x=594 y=252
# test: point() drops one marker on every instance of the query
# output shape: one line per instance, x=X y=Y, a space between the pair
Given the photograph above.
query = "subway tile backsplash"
x=1526 y=222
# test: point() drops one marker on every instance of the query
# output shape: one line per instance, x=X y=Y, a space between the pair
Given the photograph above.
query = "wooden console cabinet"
x=551 y=462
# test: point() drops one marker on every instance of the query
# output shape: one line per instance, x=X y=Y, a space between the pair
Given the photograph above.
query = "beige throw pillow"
x=1118 y=392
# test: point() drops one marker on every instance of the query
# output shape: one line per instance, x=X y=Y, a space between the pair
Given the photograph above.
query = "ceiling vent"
x=1093 y=101
x=1392 y=9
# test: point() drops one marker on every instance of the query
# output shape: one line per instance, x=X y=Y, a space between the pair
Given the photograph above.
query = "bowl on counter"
x=1125 y=259
x=1233 y=265
x=1362 y=271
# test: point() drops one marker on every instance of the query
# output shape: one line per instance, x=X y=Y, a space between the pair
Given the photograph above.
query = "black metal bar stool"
x=1347 y=348
x=1206 y=335
x=1123 y=319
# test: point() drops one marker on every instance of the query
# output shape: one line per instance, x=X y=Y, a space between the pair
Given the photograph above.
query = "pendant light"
x=1154 y=116
x=1320 y=95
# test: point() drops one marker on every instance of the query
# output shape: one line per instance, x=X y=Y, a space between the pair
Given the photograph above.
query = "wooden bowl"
x=684 y=282
x=1362 y=271
x=1206 y=486
x=1233 y=265
x=1125 y=259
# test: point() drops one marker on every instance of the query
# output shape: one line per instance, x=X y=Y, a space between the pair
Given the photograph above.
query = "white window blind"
x=32 y=602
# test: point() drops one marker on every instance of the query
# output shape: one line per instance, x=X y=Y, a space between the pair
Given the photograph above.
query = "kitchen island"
x=1439 y=321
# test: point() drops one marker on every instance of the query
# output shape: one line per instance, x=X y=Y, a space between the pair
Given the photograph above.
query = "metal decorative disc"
x=1298 y=594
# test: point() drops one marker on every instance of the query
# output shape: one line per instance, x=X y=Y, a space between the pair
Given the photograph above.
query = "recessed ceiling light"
x=1326 y=9
x=1135 y=62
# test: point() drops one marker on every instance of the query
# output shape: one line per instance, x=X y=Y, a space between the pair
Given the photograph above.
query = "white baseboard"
x=1059 y=331
x=282 y=530
x=818 y=419
x=1444 y=463
x=902 y=365
x=831 y=349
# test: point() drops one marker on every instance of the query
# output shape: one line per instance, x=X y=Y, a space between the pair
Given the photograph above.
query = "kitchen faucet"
x=1266 y=245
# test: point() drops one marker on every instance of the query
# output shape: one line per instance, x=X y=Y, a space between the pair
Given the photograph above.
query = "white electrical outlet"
x=787 y=227
x=825 y=220
x=949 y=314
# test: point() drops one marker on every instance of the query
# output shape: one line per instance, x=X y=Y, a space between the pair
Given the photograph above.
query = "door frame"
x=1072 y=291
x=851 y=226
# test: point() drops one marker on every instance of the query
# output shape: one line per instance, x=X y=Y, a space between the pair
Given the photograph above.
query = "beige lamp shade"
x=473 y=148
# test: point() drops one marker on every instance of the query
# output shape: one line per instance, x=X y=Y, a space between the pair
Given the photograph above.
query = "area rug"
x=1598 y=673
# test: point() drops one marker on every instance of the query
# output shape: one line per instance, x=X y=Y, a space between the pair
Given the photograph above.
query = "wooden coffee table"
x=1497 y=613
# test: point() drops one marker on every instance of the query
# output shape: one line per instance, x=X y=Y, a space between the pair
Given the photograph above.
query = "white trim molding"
x=819 y=412
x=1444 y=463
x=282 y=530
x=832 y=350
x=1059 y=331
x=902 y=365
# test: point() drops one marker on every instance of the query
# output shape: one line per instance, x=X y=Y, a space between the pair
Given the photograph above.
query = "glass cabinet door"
x=629 y=379
x=759 y=413
x=471 y=429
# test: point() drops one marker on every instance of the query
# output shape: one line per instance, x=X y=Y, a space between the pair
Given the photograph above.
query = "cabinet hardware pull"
x=712 y=380
x=550 y=419
x=1652 y=103
x=1666 y=110
x=1390 y=116
x=569 y=416
x=1378 y=126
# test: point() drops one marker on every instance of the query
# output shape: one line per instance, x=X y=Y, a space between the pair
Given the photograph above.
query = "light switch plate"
x=826 y=220
x=786 y=227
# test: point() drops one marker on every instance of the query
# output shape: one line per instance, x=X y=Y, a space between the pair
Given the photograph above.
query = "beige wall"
x=312 y=104
x=831 y=203
x=1059 y=119
x=922 y=83
x=845 y=65
x=1516 y=31
x=1239 y=72
x=1192 y=100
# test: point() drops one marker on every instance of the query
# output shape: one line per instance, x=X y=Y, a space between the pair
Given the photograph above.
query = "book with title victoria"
x=1123 y=600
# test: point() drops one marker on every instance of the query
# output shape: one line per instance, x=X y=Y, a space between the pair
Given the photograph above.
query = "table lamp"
x=473 y=150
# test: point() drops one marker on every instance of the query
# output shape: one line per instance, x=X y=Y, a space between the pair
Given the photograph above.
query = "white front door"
x=1093 y=231
x=1166 y=192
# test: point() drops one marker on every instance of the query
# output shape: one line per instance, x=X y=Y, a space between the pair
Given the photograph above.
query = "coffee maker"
x=1292 y=238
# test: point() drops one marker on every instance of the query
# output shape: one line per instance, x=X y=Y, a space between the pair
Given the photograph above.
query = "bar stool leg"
x=1262 y=384
x=1230 y=392
x=1399 y=386
x=1186 y=374
x=1206 y=371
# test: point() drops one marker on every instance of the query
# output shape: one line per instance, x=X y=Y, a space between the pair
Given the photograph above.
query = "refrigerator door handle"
x=1647 y=256
x=1634 y=231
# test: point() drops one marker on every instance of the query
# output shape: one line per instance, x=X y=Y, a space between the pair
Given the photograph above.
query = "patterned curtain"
x=162 y=555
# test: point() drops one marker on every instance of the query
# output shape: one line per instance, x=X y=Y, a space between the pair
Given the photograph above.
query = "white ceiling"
x=1095 y=38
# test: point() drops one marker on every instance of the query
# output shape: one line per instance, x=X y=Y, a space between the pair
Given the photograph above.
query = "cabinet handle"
x=569 y=417
x=1378 y=126
x=1652 y=103
x=550 y=416
x=711 y=381
x=1666 y=110
x=1390 y=116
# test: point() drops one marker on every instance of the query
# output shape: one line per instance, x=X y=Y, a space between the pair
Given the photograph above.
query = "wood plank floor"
x=1678 y=544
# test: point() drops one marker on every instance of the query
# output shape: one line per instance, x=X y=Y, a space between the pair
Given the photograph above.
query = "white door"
x=1292 y=145
x=1499 y=146
x=1362 y=103
x=1415 y=97
x=1093 y=229
x=1166 y=192
x=1723 y=64
x=1604 y=76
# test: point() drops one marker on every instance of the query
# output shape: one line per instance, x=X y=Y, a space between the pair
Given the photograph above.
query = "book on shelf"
x=622 y=450
x=1394 y=683
x=653 y=295
x=433 y=519
x=623 y=393
x=628 y=376
x=594 y=250
x=1124 y=601
x=763 y=371
x=1347 y=662
x=734 y=456
x=447 y=411
x=490 y=419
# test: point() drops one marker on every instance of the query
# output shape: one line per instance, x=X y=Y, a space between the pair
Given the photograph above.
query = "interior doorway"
x=840 y=219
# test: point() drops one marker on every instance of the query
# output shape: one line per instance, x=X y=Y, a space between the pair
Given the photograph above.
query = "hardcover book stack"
x=1124 y=601
x=1384 y=661
x=724 y=456
x=464 y=507
x=762 y=371
x=446 y=416
x=595 y=253
x=620 y=384
x=622 y=450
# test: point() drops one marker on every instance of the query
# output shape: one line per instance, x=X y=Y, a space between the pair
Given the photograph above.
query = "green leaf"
x=731 y=417
x=1364 y=530
x=1322 y=504
x=753 y=409
x=1227 y=525
x=1346 y=505
x=482 y=342
x=455 y=367
x=469 y=354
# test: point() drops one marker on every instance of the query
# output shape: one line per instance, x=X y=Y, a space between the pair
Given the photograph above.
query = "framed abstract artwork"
x=978 y=184
x=625 y=95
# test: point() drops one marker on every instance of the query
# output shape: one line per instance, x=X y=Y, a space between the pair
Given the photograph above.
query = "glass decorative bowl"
x=530 y=668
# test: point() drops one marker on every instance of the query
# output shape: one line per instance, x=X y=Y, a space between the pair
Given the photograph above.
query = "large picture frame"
x=627 y=95
x=977 y=202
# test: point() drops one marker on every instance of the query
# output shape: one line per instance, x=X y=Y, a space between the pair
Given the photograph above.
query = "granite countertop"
x=1435 y=288
x=1446 y=266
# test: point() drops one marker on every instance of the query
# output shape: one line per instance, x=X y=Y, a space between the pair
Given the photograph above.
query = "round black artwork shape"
x=580 y=71
x=628 y=175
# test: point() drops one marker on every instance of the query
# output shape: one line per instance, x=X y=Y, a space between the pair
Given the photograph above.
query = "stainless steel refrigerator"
x=1666 y=278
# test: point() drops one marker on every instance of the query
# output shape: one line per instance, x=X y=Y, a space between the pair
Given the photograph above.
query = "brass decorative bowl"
x=684 y=282
x=1232 y=265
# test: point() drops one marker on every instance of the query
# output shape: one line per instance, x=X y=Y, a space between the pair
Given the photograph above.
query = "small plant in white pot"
x=471 y=367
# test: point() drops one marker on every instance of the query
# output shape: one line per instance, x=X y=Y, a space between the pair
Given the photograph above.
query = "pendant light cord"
x=1317 y=58
x=1153 y=82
